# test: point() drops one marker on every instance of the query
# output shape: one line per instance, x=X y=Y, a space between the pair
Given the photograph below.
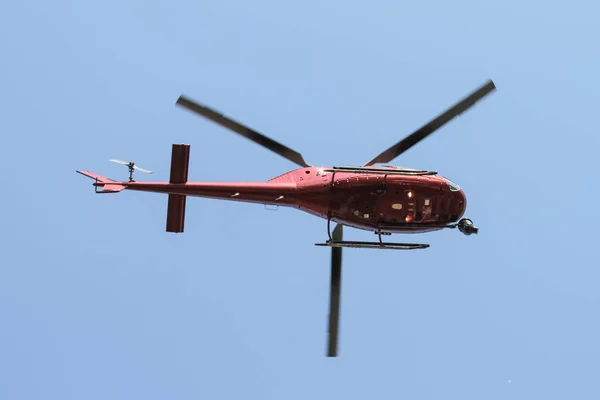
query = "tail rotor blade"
x=119 y=162
x=131 y=165
x=335 y=291
x=142 y=169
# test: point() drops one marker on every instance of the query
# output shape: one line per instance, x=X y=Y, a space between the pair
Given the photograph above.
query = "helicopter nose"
x=460 y=199
x=456 y=195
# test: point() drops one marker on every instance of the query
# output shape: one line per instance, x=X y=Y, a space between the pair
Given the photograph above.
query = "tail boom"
x=178 y=189
x=249 y=192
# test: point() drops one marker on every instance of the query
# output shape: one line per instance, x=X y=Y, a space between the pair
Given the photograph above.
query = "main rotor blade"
x=433 y=125
x=246 y=132
x=335 y=290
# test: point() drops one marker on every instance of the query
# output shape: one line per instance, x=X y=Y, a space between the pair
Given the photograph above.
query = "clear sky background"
x=97 y=301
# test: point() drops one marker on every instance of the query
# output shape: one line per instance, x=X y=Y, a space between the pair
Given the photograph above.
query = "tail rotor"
x=132 y=167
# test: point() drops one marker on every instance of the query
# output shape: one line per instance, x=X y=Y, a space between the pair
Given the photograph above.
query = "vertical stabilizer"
x=180 y=160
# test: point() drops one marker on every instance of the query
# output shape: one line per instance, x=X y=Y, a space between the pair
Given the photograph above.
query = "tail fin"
x=107 y=185
x=180 y=160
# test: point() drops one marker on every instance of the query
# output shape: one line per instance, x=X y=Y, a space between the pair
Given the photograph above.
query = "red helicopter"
x=383 y=199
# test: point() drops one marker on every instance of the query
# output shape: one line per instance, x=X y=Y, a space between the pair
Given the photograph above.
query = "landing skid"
x=369 y=245
x=373 y=245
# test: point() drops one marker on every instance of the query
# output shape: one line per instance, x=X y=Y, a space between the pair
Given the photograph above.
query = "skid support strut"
x=368 y=245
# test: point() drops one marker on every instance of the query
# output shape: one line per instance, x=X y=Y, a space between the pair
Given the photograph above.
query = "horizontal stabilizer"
x=180 y=160
x=92 y=175
x=103 y=184
x=111 y=188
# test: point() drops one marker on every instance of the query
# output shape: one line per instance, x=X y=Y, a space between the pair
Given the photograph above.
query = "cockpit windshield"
x=453 y=186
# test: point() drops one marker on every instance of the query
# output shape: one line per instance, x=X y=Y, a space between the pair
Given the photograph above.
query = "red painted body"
x=385 y=199
x=370 y=201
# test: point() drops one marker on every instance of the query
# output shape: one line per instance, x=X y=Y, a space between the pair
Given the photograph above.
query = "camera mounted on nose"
x=466 y=226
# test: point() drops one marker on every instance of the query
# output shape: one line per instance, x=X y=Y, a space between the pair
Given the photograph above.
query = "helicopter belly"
x=371 y=202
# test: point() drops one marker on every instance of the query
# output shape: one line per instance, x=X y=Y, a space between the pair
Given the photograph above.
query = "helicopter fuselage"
x=386 y=199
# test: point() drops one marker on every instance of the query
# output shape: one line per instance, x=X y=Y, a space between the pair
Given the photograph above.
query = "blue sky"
x=97 y=301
